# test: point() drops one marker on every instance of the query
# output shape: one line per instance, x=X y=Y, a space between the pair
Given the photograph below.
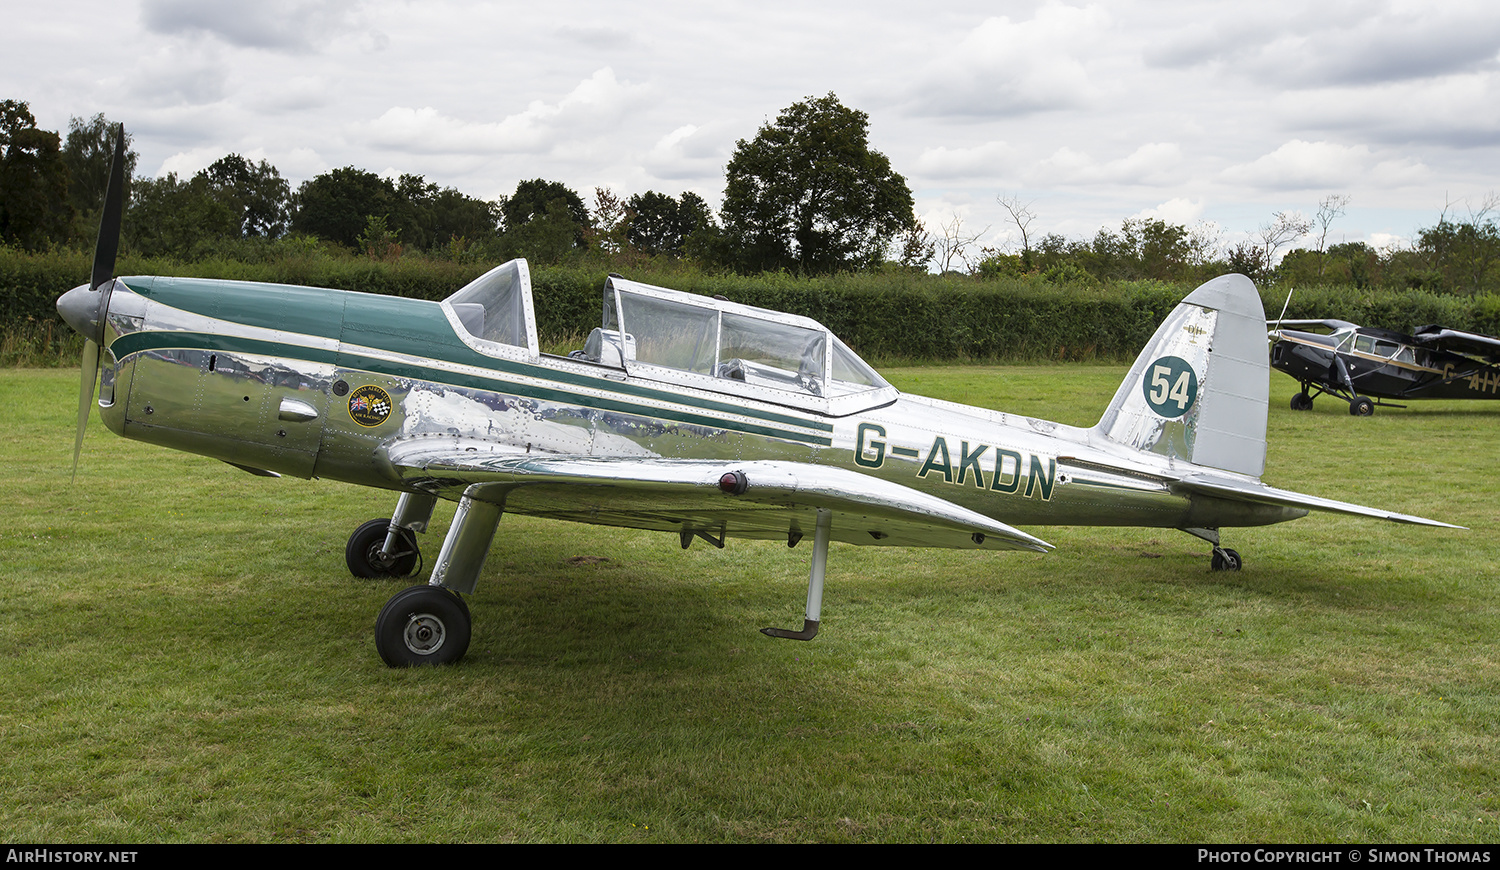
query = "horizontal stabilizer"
x=1254 y=491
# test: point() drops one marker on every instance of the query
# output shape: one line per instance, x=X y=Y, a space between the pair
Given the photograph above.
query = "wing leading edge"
x=778 y=501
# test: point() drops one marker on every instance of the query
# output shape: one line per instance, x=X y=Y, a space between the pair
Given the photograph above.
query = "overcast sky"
x=1093 y=113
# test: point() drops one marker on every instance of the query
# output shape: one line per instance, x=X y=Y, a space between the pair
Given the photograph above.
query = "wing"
x=1235 y=489
x=1471 y=343
x=1326 y=324
x=778 y=501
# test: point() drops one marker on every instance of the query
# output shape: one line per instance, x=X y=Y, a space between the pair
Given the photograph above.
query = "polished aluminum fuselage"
x=275 y=378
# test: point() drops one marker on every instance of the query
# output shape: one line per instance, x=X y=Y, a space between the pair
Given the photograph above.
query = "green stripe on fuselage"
x=137 y=342
x=412 y=327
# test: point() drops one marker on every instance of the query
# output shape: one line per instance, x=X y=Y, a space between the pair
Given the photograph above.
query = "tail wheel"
x=1225 y=559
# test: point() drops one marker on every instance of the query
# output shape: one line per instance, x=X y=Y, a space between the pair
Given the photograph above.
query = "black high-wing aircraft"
x=1361 y=364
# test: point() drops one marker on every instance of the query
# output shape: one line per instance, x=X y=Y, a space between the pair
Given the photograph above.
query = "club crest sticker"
x=369 y=405
x=1171 y=386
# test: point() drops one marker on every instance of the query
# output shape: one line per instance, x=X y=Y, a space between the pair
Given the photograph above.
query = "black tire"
x=1226 y=560
x=423 y=625
x=362 y=553
x=1361 y=407
x=1302 y=402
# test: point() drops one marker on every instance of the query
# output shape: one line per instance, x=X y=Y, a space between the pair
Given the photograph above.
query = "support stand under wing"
x=809 y=630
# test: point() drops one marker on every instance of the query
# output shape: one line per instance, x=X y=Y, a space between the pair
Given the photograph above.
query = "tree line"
x=806 y=195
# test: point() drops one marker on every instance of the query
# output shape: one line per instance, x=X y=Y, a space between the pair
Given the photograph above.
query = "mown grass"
x=187 y=659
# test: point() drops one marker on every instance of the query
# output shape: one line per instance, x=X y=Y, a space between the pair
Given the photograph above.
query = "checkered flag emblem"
x=370 y=405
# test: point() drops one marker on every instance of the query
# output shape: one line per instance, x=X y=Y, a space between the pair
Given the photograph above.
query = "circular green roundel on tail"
x=1171 y=386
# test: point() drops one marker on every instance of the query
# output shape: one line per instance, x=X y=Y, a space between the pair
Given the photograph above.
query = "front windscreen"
x=493 y=306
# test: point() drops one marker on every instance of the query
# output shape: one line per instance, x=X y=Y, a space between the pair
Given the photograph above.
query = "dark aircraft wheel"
x=1226 y=560
x=1361 y=407
x=362 y=553
x=1302 y=402
x=423 y=625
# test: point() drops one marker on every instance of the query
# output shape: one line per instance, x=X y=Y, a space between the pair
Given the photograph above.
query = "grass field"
x=187 y=659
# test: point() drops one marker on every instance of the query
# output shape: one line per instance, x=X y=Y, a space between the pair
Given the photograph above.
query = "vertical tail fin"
x=1198 y=391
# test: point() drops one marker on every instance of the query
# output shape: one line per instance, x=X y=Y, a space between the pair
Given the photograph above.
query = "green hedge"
x=890 y=316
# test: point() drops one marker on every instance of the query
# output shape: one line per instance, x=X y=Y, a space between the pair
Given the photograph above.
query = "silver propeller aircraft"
x=681 y=413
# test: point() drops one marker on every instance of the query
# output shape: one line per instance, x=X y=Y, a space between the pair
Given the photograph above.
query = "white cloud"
x=1300 y=165
x=189 y=163
x=990 y=160
x=1005 y=67
x=279 y=25
x=589 y=110
x=1456 y=111
x=690 y=151
x=179 y=78
x=1152 y=163
x=1341 y=44
x=1179 y=211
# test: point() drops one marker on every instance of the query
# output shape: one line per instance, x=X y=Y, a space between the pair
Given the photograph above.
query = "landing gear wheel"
x=1361 y=407
x=1302 y=402
x=423 y=625
x=362 y=553
x=1226 y=560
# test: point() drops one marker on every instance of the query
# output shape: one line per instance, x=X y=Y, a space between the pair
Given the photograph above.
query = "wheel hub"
x=424 y=634
x=379 y=559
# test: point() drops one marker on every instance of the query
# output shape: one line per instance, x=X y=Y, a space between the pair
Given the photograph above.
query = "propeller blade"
x=77 y=310
x=90 y=369
x=108 y=243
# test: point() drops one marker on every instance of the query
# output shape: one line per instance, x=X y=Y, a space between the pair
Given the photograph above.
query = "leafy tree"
x=917 y=248
x=611 y=225
x=168 y=216
x=454 y=216
x=547 y=238
x=655 y=227
x=535 y=199
x=1465 y=252
x=34 y=206
x=88 y=150
x=1354 y=263
x=661 y=225
x=1246 y=259
x=263 y=197
x=337 y=205
x=808 y=194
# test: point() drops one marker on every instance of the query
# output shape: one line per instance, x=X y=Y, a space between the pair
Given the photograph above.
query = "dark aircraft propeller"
x=84 y=308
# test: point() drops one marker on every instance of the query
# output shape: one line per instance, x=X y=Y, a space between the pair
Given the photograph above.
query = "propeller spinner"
x=84 y=307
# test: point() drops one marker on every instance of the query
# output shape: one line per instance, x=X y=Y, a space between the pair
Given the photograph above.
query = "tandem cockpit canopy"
x=730 y=348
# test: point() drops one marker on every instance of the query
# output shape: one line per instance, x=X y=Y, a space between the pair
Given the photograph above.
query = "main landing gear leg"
x=814 y=583
x=430 y=625
x=1224 y=559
